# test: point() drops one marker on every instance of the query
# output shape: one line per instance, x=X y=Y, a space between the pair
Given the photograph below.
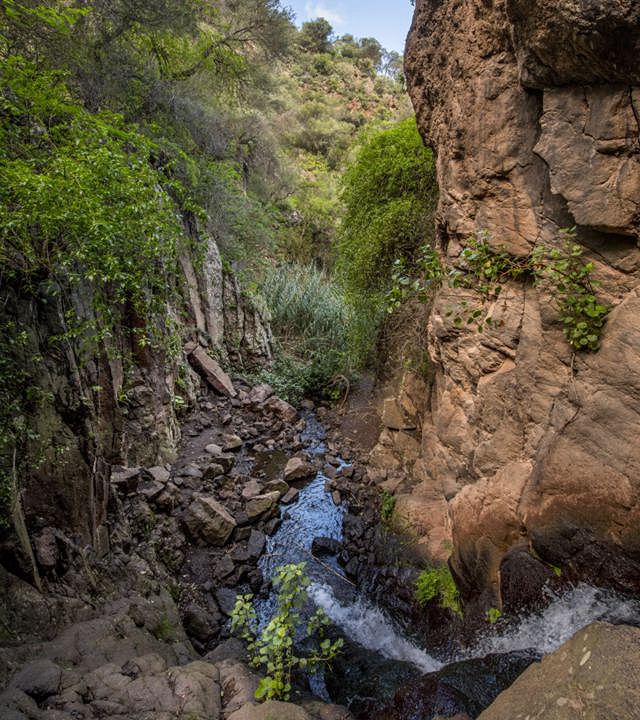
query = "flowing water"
x=315 y=515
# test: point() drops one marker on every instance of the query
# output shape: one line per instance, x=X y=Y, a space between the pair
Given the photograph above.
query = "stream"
x=370 y=629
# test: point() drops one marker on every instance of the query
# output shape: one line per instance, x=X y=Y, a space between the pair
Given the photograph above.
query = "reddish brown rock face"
x=532 y=110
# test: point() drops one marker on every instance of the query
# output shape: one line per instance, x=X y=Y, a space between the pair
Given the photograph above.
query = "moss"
x=437 y=582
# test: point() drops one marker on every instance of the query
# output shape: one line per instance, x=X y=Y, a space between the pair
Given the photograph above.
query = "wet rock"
x=466 y=687
x=211 y=371
x=290 y=496
x=325 y=546
x=208 y=520
x=298 y=469
x=238 y=685
x=523 y=580
x=336 y=497
x=261 y=504
x=256 y=544
x=269 y=711
x=39 y=679
x=271 y=526
x=213 y=471
x=595 y=674
x=226 y=599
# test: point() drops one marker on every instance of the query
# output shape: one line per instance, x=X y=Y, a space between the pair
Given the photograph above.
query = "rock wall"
x=532 y=109
x=115 y=403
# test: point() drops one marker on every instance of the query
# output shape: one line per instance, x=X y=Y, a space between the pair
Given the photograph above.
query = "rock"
x=261 y=504
x=231 y=442
x=238 y=685
x=290 y=496
x=126 y=480
x=159 y=474
x=281 y=409
x=270 y=710
x=325 y=546
x=251 y=489
x=298 y=469
x=524 y=581
x=260 y=394
x=191 y=471
x=212 y=372
x=208 y=520
x=226 y=599
x=219 y=457
x=39 y=679
x=256 y=544
x=466 y=687
x=151 y=490
x=595 y=674
x=213 y=471
x=336 y=497
x=394 y=418
x=525 y=440
x=279 y=486
x=45 y=545
x=200 y=624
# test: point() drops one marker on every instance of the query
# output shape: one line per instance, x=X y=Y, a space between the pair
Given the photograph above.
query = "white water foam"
x=371 y=628
x=564 y=617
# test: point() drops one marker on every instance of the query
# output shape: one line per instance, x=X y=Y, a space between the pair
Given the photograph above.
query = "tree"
x=315 y=36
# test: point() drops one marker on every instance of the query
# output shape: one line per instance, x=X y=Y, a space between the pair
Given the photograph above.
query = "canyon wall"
x=532 y=108
x=115 y=401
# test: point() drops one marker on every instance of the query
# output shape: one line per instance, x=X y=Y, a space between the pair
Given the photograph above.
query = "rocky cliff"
x=533 y=110
x=113 y=400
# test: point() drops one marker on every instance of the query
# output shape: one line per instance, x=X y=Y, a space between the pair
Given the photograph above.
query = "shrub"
x=310 y=322
x=273 y=648
x=389 y=193
x=387 y=506
x=437 y=582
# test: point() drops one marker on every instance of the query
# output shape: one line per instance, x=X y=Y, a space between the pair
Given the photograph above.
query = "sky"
x=386 y=21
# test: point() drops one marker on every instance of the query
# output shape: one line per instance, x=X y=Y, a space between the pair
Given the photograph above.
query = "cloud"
x=316 y=10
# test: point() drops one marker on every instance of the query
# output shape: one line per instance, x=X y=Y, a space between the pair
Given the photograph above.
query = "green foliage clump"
x=80 y=198
x=493 y=615
x=573 y=291
x=387 y=506
x=389 y=193
x=560 y=269
x=272 y=649
x=438 y=583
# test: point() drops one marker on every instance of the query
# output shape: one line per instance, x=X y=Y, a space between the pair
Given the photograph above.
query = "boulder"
x=125 y=480
x=260 y=394
x=270 y=710
x=208 y=520
x=159 y=473
x=596 y=674
x=261 y=504
x=281 y=409
x=291 y=496
x=298 y=469
x=39 y=679
x=212 y=372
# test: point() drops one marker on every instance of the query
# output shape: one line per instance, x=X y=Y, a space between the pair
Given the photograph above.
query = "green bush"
x=272 y=649
x=389 y=193
x=438 y=583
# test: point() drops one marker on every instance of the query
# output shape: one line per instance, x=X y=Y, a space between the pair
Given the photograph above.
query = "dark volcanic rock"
x=465 y=687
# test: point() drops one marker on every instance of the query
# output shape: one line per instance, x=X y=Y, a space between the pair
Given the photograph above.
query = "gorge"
x=156 y=467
